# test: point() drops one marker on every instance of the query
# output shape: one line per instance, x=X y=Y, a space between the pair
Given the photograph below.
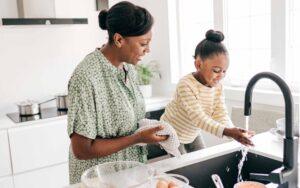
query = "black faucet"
x=287 y=175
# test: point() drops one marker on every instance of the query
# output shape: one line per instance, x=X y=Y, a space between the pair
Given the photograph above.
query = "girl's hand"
x=241 y=135
x=149 y=135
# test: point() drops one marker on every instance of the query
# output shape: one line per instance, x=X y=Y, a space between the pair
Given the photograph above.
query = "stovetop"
x=45 y=113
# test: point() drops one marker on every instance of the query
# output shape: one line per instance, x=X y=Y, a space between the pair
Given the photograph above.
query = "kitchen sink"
x=226 y=166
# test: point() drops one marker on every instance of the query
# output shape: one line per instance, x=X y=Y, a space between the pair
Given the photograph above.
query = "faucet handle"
x=217 y=181
x=276 y=176
x=262 y=177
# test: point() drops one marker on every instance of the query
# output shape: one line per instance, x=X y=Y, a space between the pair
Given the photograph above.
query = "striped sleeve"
x=199 y=118
x=220 y=111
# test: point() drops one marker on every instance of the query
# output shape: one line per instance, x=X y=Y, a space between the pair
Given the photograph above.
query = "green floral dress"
x=104 y=102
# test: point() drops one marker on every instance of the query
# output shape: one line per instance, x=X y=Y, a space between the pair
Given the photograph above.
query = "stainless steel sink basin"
x=225 y=166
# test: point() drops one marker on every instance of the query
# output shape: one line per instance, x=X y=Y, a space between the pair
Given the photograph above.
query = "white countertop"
x=152 y=104
x=266 y=144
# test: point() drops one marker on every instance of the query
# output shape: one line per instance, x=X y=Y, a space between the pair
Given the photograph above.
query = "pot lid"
x=61 y=95
x=27 y=103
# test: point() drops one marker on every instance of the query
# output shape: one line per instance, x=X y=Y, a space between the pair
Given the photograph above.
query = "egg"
x=162 y=184
x=172 y=185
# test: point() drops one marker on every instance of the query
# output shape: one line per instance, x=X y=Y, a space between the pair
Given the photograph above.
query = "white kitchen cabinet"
x=50 y=177
x=39 y=145
x=45 y=8
x=5 y=164
x=38 y=9
x=8 y=9
x=6 y=182
x=73 y=8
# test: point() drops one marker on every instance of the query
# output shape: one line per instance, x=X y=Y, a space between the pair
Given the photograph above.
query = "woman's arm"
x=85 y=148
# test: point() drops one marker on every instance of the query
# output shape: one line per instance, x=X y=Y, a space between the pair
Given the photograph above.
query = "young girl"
x=199 y=99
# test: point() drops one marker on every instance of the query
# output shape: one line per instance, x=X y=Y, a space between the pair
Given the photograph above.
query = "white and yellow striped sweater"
x=196 y=107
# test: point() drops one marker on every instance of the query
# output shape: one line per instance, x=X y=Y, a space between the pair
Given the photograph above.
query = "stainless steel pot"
x=30 y=107
x=62 y=101
x=30 y=118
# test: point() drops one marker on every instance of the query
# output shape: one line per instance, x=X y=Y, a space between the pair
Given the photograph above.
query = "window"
x=293 y=44
x=261 y=35
x=195 y=18
x=248 y=38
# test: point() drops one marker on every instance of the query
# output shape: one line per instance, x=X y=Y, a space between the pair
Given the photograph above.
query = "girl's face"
x=212 y=70
x=134 y=48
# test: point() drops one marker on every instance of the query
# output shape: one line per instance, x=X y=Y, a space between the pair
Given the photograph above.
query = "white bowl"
x=127 y=174
x=179 y=180
x=280 y=124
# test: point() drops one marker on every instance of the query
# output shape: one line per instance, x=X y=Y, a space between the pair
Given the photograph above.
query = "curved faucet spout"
x=289 y=112
x=288 y=175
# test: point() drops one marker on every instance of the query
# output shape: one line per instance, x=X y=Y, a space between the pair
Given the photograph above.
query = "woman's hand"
x=241 y=135
x=149 y=135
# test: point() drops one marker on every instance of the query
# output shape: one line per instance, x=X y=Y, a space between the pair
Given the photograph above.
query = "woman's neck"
x=111 y=53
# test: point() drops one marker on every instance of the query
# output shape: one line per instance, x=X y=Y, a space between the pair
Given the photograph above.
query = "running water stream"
x=247 y=123
x=244 y=152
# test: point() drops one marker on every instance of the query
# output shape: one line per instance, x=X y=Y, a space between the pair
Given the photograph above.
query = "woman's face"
x=136 y=47
x=212 y=69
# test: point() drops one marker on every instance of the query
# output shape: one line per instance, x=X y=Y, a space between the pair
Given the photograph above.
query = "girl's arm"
x=189 y=102
x=199 y=118
x=220 y=111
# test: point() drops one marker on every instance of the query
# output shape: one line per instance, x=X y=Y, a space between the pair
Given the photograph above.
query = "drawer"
x=5 y=164
x=39 y=146
x=49 y=177
x=6 y=182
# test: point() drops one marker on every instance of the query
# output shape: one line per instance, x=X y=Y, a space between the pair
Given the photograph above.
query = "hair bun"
x=102 y=18
x=214 y=36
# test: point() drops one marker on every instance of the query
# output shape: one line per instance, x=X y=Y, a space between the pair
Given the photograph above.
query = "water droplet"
x=227 y=169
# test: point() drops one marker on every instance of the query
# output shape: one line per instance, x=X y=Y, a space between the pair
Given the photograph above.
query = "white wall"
x=37 y=61
x=160 y=50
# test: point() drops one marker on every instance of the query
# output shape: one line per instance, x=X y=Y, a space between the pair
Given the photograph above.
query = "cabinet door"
x=50 y=177
x=5 y=164
x=155 y=114
x=6 y=182
x=39 y=146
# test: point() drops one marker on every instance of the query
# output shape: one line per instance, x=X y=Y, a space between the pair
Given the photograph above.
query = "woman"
x=199 y=100
x=105 y=103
